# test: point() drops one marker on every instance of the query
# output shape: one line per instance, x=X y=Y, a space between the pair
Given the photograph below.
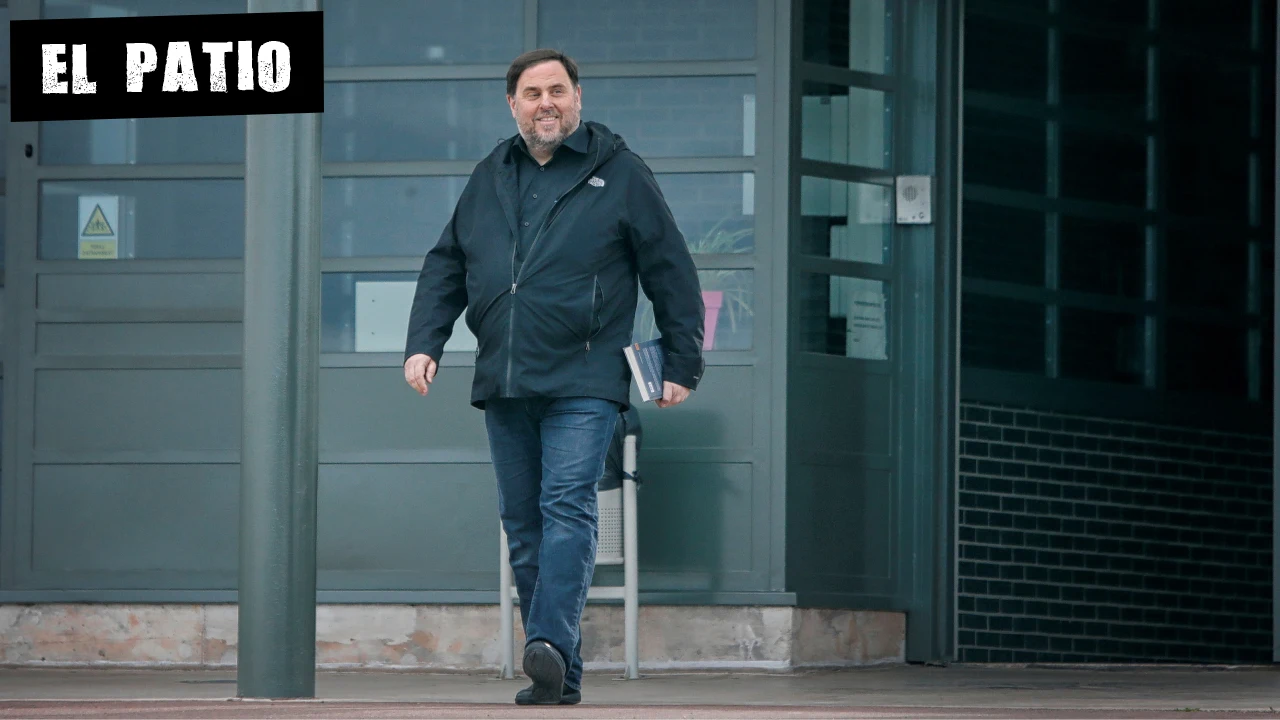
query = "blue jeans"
x=549 y=455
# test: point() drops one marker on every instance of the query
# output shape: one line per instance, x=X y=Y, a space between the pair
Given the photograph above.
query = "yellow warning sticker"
x=98 y=250
x=97 y=225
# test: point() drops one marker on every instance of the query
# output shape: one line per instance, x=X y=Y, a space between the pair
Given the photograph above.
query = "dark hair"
x=535 y=57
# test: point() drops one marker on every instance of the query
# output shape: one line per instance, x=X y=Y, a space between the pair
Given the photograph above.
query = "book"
x=645 y=359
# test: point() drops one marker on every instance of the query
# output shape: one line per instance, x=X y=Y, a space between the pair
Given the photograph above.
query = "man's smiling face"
x=547 y=107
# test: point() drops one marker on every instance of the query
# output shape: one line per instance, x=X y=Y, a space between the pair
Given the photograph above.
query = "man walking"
x=543 y=251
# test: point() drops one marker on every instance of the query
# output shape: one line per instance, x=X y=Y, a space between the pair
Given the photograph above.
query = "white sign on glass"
x=382 y=318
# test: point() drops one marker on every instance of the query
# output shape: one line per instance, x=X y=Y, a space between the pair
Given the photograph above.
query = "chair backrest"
x=628 y=424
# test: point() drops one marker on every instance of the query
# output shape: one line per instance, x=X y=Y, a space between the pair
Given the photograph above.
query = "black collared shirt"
x=540 y=185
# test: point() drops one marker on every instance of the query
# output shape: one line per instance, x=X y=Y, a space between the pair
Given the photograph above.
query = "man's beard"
x=547 y=144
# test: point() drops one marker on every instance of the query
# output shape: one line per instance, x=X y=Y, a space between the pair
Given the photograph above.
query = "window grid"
x=815 y=276
x=738 y=164
x=1156 y=215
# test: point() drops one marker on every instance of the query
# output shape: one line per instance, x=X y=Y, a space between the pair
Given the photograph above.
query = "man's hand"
x=672 y=394
x=420 y=372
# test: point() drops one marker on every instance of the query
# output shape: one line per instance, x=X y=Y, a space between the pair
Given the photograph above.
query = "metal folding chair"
x=616 y=546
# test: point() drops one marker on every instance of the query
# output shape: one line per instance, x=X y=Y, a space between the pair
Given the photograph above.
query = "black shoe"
x=568 y=697
x=545 y=667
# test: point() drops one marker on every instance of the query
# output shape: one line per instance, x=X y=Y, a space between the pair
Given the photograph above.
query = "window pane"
x=154 y=219
x=729 y=323
x=844 y=316
x=463 y=120
x=1004 y=151
x=1106 y=74
x=1201 y=21
x=57 y=9
x=1110 y=11
x=396 y=216
x=143 y=141
x=592 y=31
x=1004 y=244
x=1104 y=167
x=403 y=216
x=844 y=220
x=1007 y=58
x=437 y=120
x=1103 y=257
x=1002 y=334
x=675 y=117
x=715 y=211
x=1206 y=121
x=854 y=35
x=1206 y=271
x=369 y=312
x=1207 y=358
x=412 y=32
x=1102 y=346
x=847 y=125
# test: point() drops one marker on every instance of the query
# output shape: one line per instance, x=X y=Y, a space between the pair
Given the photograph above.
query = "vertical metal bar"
x=1153 y=233
x=506 y=607
x=631 y=565
x=1275 y=386
x=1254 y=306
x=1053 y=174
x=279 y=453
x=947 y=300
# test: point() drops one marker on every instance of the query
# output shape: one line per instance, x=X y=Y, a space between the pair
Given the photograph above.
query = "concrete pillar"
x=280 y=454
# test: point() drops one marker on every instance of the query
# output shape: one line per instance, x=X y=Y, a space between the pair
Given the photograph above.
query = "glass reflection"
x=854 y=35
x=413 y=32
x=844 y=220
x=846 y=125
x=387 y=217
x=154 y=219
x=845 y=316
x=715 y=211
x=730 y=305
x=648 y=30
x=369 y=312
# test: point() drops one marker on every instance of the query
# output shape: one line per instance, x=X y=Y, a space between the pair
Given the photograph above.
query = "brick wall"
x=1087 y=540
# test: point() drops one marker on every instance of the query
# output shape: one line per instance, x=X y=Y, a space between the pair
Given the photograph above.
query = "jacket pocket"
x=597 y=307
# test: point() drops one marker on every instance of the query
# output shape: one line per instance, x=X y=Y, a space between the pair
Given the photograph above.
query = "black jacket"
x=557 y=328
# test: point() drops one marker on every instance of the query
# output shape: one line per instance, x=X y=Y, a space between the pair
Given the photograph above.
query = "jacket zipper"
x=515 y=277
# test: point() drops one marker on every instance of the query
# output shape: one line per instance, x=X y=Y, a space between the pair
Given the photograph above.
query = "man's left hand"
x=672 y=394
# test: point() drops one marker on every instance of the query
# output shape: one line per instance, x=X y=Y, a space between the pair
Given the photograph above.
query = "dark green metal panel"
x=83 y=411
x=696 y=518
x=174 y=338
x=134 y=518
x=368 y=410
x=139 y=291
x=420 y=522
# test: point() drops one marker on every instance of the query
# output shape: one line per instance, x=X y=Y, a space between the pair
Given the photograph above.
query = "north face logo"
x=595 y=181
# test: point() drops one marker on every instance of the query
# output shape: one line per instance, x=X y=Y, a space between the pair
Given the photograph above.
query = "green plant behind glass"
x=736 y=302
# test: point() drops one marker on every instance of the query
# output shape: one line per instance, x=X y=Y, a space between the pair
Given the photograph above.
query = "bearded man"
x=545 y=251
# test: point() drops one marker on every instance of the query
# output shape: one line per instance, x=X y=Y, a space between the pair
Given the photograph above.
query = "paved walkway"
x=883 y=692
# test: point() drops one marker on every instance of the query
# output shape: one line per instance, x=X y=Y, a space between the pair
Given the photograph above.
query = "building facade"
x=895 y=454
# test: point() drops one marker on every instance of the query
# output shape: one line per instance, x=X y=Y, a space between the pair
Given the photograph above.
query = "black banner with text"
x=167 y=66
